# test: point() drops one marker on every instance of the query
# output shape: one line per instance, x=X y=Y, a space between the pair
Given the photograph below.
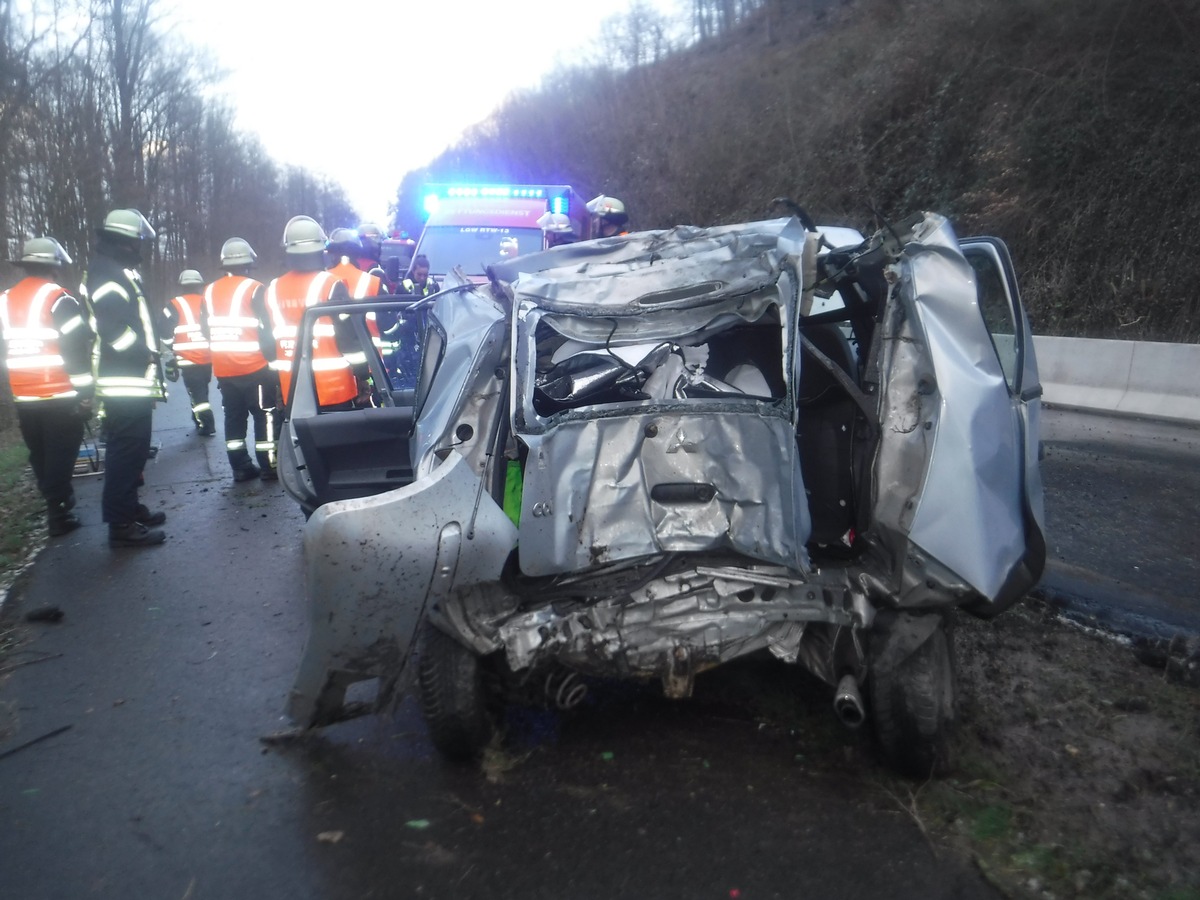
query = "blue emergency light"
x=436 y=193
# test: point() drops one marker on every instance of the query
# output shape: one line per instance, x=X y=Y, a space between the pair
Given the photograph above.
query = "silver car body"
x=643 y=391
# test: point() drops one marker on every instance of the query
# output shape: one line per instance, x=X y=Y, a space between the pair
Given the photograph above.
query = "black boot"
x=207 y=424
x=143 y=516
x=134 y=535
x=59 y=518
x=63 y=523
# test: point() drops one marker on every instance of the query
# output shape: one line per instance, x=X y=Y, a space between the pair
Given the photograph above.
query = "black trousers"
x=127 y=425
x=196 y=379
x=53 y=431
x=254 y=397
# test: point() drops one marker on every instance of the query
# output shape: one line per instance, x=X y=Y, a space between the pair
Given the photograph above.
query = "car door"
x=1007 y=324
x=357 y=449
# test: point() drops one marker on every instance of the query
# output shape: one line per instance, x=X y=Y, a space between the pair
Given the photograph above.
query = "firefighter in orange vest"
x=234 y=317
x=345 y=250
x=47 y=351
x=184 y=337
x=306 y=284
x=369 y=255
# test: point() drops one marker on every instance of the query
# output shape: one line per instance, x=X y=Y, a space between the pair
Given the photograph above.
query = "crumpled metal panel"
x=654 y=265
x=464 y=388
x=588 y=485
x=701 y=616
x=968 y=512
x=609 y=481
x=373 y=564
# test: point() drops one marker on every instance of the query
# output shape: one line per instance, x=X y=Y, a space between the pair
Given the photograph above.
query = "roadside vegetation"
x=22 y=512
x=1066 y=127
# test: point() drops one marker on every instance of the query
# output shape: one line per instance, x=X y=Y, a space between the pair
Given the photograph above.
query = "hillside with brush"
x=1068 y=128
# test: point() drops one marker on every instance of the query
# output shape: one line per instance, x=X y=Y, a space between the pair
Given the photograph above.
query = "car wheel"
x=453 y=696
x=912 y=708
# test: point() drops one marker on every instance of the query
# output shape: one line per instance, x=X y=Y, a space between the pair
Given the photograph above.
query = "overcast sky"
x=453 y=60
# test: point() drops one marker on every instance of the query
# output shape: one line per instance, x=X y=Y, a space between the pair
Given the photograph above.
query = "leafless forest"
x=103 y=105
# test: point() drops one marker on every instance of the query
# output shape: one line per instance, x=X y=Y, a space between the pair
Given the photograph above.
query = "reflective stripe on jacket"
x=126 y=352
x=33 y=352
x=288 y=296
x=360 y=284
x=189 y=343
x=233 y=326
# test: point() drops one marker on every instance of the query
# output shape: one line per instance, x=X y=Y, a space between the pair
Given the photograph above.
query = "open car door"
x=362 y=448
x=1007 y=324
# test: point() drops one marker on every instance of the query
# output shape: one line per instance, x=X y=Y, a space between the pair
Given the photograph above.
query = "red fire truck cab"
x=475 y=225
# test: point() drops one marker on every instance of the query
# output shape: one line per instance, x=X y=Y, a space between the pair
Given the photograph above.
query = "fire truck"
x=473 y=226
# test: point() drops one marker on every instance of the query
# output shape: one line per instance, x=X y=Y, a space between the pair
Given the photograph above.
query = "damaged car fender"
x=373 y=567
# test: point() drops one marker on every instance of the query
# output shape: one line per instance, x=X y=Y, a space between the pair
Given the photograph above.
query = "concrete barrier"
x=1137 y=378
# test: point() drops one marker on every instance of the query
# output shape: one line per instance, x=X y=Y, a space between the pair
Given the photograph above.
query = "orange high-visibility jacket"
x=233 y=326
x=33 y=341
x=360 y=284
x=189 y=343
x=288 y=296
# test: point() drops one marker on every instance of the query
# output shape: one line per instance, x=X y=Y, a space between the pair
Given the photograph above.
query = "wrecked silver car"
x=640 y=457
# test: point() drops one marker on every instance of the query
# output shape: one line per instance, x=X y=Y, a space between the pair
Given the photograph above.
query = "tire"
x=454 y=697
x=912 y=709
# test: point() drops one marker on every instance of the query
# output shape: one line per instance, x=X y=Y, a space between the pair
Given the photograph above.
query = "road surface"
x=171 y=664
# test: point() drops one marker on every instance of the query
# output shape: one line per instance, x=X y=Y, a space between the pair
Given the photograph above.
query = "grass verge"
x=21 y=508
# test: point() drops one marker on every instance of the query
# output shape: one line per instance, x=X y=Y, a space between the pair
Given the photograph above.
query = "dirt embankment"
x=1078 y=767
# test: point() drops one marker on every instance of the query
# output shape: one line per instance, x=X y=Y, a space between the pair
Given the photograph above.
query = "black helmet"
x=344 y=242
x=371 y=237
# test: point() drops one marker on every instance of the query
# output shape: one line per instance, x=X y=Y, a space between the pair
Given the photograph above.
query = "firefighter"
x=234 y=316
x=418 y=281
x=609 y=218
x=306 y=284
x=128 y=377
x=557 y=228
x=191 y=357
x=46 y=348
x=369 y=255
x=345 y=250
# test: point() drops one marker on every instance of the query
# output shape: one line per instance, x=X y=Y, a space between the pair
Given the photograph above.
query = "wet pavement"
x=1123 y=525
x=172 y=662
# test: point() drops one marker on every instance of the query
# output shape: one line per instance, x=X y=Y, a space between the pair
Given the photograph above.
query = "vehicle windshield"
x=475 y=247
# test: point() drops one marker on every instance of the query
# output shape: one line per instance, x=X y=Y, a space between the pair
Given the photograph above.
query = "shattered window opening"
x=735 y=360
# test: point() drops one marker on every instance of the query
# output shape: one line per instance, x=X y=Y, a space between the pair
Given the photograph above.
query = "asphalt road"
x=172 y=662
x=1123 y=525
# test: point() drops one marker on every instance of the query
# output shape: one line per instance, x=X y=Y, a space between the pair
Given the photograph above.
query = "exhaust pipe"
x=848 y=704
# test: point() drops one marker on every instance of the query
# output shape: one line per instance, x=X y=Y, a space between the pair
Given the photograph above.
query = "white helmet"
x=237 y=252
x=44 y=251
x=610 y=209
x=189 y=277
x=129 y=224
x=555 y=223
x=303 y=235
